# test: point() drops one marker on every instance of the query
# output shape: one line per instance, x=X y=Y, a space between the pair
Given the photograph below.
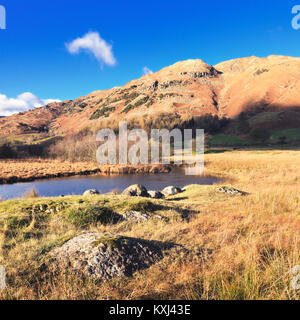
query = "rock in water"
x=171 y=191
x=103 y=256
x=156 y=194
x=136 y=190
x=91 y=192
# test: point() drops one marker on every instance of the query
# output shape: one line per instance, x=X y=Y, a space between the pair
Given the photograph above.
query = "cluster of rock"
x=138 y=190
x=103 y=256
x=51 y=207
x=232 y=191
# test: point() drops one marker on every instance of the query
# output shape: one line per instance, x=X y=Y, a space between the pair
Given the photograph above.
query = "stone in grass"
x=136 y=216
x=230 y=190
x=171 y=191
x=156 y=194
x=136 y=190
x=91 y=192
x=102 y=256
x=140 y=217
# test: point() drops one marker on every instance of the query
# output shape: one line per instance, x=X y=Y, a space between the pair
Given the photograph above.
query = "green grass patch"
x=89 y=215
x=229 y=141
x=290 y=134
x=212 y=151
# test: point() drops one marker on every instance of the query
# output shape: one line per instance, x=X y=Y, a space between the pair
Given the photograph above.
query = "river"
x=104 y=183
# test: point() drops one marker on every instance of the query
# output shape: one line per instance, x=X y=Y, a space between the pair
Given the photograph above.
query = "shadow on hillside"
x=253 y=108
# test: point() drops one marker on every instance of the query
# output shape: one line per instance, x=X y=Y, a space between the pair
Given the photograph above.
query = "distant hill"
x=251 y=85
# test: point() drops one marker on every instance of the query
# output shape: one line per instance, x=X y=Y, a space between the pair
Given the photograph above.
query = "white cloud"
x=146 y=70
x=92 y=42
x=23 y=102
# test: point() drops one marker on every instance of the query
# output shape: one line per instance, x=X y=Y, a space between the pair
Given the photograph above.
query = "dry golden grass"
x=250 y=244
x=12 y=171
x=41 y=168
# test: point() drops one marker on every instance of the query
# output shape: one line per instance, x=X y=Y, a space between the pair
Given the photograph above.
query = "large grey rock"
x=103 y=256
x=91 y=192
x=136 y=190
x=171 y=191
x=156 y=194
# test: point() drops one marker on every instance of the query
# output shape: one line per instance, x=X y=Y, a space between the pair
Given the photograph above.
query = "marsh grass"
x=249 y=245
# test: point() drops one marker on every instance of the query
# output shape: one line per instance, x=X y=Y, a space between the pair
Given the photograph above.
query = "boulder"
x=156 y=194
x=136 y=190
x=91 y=192
x=171 y=191
x=102 y=256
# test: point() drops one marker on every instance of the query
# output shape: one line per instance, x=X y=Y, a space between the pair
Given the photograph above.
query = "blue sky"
x=34 y=57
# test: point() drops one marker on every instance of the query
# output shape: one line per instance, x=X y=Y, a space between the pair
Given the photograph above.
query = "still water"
x=77 y=185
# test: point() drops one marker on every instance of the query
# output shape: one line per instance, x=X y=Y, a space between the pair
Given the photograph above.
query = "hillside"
x=189 y=87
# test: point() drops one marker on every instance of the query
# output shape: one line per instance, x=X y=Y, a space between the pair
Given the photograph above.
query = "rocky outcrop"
x=230 y=190
x=104 y=256
x=136 y=216
x=140 y=217
x=137 y=190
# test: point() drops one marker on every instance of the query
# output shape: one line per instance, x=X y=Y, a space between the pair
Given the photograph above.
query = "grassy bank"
x=249 y=245
x=12 y=171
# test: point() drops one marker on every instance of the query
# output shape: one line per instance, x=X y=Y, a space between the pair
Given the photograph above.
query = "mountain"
x=191 y=87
